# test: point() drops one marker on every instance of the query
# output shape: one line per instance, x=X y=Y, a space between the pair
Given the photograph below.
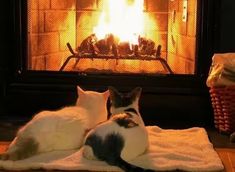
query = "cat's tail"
x=127 y=167
x=21 y=149
x=2 y=156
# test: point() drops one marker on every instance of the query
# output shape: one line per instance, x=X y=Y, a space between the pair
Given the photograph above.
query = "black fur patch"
x=123 y=99
x=125 y=121
x=108 y=149
x=131 y=110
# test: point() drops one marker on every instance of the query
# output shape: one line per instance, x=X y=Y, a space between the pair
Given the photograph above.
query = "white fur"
x=65 y=128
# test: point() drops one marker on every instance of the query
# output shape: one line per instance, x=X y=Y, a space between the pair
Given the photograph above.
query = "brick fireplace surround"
x=53 y=23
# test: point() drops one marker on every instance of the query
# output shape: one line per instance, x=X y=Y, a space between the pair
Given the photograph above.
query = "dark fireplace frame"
x=162 y=94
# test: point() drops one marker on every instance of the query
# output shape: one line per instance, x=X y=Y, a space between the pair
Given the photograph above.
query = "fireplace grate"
x=115 y=56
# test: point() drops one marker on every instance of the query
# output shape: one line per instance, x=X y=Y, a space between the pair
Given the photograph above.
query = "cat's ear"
x=136 y=92
x=80 y=91
x=113 y=93
x=106 y=94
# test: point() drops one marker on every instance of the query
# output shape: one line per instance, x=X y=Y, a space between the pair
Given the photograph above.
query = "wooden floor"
x=227 y=156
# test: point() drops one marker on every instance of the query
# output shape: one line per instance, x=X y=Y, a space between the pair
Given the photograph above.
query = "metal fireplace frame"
x=48 y=86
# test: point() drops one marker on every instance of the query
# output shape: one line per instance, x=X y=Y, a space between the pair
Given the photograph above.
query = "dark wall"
x=227 y=26
x=4 y=48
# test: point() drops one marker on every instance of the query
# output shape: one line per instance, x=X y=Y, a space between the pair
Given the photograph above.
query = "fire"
x=122 y=18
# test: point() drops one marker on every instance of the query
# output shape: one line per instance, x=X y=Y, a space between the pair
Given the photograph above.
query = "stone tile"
x=157 y=5
x=38 y=63
x=44 y=43
x=173 y=5
x=66 y=37
x=86 y=4
x=39 y=4
x=63 y=4
x=190 y=67
x=81 y=35
x=36 y=22
x=175 y=23
x=192 y=25
x=182 y=25
x=162 y=41
x=59 y=21
x=172 y=62
x=44 y=4
x=54 y=61
x=180 y=6
x=33 y=4
x=160 y=38
x=180 y=65
x=176 y=63
x=156 y=21
x=87 y=20
x=172 y=43
x=186 y=47
x=192 y=6
x=50 y=62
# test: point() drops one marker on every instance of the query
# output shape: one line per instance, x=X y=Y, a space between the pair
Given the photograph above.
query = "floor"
x=228 y=158
x=221 y=142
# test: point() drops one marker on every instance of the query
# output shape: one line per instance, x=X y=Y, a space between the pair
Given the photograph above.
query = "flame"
x=122 y=19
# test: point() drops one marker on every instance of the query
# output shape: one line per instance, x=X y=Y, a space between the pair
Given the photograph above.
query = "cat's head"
x=92 y=100
x=121 y=101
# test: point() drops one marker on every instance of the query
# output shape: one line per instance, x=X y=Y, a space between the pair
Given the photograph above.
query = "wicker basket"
x=223 y=103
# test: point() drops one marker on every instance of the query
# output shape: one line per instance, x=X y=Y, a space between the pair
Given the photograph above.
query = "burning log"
x=105 y=46
x=124 y=49
x=87 y=45
x=109 y=46
x=146 y=46
x=91 y=45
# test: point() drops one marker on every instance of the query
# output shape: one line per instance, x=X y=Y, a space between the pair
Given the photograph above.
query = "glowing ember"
x=122 y=18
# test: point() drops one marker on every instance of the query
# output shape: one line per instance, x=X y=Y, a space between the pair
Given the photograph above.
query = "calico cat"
x=61 y=129
x=121 y=138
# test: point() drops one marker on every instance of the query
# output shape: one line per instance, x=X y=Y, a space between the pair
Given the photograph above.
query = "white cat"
x=121 y=138
x=61 y=129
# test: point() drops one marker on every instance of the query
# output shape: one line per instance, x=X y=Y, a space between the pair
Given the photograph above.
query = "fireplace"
x=48 y=61
x=126 y=36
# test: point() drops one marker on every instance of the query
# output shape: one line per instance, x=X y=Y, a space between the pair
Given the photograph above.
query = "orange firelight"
x=122 y=18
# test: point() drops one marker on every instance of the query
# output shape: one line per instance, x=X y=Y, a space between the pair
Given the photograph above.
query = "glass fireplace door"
x=112 y=37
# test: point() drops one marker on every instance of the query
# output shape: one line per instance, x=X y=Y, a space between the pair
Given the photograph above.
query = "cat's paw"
x=88 y=153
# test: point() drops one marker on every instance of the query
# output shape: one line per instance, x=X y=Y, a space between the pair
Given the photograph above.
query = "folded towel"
x=187 y=149
x=222 y=70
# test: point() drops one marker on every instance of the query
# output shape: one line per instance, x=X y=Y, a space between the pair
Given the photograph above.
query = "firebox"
x=113 y=37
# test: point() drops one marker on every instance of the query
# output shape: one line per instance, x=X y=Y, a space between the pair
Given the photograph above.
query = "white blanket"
x=188 y=149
